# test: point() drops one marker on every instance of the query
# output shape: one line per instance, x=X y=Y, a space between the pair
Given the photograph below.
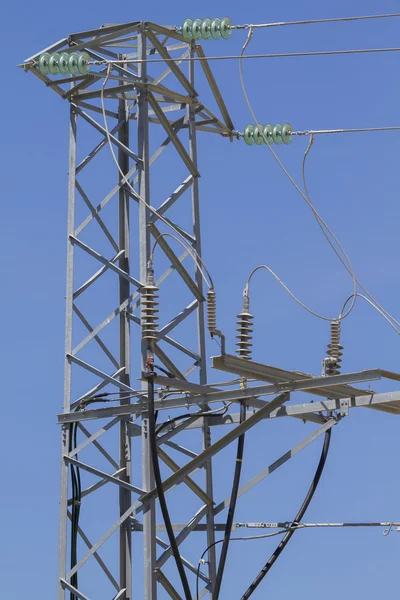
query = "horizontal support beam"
x=386 y=402
x=247 y=368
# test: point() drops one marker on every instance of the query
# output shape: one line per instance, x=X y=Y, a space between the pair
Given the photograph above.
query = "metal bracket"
x=344 y=404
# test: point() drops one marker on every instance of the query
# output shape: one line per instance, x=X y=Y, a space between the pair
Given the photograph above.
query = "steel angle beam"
x=247 y=368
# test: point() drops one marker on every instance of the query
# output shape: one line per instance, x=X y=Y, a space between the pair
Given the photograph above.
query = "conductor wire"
x=347 y=266
x=197 y=259
x=381 y=312
x=304 y=195
x=247 y=57
x=316 y=21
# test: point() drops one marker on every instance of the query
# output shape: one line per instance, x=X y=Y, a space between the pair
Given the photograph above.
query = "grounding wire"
x=126 y=181
x=303 y=194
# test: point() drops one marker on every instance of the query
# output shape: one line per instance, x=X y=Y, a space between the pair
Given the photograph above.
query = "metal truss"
x=107 y=268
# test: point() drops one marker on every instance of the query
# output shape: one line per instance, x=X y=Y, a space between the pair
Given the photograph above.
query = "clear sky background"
x=250 y=215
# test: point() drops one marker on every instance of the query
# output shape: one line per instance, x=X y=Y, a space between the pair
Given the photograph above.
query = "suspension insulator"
x=334 y=350
x=53 y=64
x=268 y=133
x=74 y=63
x=211 y=311
x=216 y=29
x=277 y=134
x=206 y=29
x=249 y=135
x=43 y=63
x=63 y=63
x=187 y=29
x=148 y=302
x=226 y=28
x=244 y=330
x=84 y=63
x=193 y=30
x=257 y=136
x=196 y=29
x=287 y=132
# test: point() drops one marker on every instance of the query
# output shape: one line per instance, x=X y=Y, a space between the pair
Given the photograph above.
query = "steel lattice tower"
x=103 y=348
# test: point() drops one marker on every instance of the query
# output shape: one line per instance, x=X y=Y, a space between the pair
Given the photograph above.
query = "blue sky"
x=250 y=215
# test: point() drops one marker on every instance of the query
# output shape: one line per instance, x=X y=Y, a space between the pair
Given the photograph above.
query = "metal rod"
x=65 y=431
x=149 y=514
x=125 y=495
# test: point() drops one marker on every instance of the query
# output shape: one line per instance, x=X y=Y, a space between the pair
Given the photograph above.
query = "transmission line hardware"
x=74 y=63
x=270 y=134
x=149 y=307
x=206 y=29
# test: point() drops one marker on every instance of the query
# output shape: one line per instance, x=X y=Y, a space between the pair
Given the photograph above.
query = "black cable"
x=75 y=484
x=76 y=490
x=159 y=487
x=212 y=413
x=232 y=506
x=285 y=540
x=199 y=565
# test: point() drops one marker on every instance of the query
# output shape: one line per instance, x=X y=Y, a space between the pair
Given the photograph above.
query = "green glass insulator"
x=287 y=136
x=206 y=29
x=268 y=129
x=277 y=134
x=53 y=64
x=44 y=63
x=216 y=29
x=187 y=30
x=257 y=135
x=249 y=135
x=73 y=63
x=226 y=28
x=63 y=62
x=196 y=29
x=84 y=63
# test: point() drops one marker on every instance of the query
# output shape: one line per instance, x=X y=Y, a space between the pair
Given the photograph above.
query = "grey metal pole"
x=65 y=431
x=149 y=513
x=206 y=432
x=125 y=496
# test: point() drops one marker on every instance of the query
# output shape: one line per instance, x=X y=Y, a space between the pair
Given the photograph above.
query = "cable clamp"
x=344 y=407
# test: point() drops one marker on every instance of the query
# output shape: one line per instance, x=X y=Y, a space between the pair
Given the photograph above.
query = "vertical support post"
x=65 y=432
x=125 y=496
x=149 y=513
x=206 y=433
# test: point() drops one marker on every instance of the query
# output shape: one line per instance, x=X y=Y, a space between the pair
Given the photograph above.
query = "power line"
x=354 y=130
x=315 y=21
x=247 y=56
